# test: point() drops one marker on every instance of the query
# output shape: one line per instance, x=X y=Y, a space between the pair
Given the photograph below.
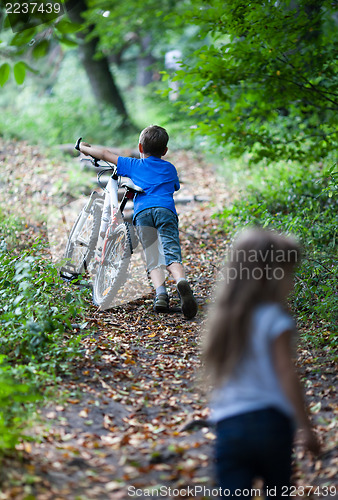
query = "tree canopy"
x=266 y=80
x=106 y=34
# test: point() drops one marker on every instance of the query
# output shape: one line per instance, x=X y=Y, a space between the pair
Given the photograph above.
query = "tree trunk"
x=144 y=62
x=98 y=72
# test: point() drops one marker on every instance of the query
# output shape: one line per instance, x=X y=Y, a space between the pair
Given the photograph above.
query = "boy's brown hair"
x=154 y=140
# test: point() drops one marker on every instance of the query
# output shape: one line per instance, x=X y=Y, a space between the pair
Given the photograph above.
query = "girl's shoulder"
x=273 y=317
x=274 y=308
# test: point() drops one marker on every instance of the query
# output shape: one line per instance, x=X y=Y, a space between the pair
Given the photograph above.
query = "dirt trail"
x=118 y=430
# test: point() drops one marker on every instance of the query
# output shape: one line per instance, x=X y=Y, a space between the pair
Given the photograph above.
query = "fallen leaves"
x=127 y=399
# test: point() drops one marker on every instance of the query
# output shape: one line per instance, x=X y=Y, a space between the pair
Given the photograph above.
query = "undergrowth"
x=55 y=109
x=37 y=340
x=290 y=198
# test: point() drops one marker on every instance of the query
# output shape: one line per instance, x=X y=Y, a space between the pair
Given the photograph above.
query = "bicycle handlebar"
x=77 y=144
x=95 y=161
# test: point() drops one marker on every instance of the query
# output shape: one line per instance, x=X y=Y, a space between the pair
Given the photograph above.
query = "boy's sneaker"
x=188 y=301
x=161 y=303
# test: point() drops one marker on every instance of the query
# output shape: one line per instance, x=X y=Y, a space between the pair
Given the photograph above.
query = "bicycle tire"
x=79 y=253
x=111 y=273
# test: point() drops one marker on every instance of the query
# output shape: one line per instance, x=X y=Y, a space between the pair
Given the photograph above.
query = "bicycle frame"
x=86 y=210
x=112 y=210
x=111 y=203
x=98 y=231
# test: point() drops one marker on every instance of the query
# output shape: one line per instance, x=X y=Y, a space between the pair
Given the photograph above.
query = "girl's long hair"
x=258 y=264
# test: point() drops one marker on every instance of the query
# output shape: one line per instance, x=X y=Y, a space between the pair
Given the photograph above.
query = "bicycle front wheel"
x=112 y=272
x=80 y=250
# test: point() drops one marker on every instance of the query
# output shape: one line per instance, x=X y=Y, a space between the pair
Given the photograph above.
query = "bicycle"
x=101 y=241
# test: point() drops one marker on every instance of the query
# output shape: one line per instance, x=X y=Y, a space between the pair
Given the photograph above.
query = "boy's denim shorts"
x=157 y=229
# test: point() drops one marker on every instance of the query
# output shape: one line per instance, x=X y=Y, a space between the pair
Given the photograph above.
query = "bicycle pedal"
x=68 y=275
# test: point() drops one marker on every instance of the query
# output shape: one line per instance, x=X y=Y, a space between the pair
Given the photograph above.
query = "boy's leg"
x=157 y=277
x=155 y=261
x=161 y=303
x=166 y=223
x=177 y=271
x=158 y=232
x=188 y=301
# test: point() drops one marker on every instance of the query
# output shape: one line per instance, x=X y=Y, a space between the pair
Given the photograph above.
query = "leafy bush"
x=56 y=110
x=35 y=311
x=266 y=79
x=13 y=407
x=36 y=334
x=286 y=197
x=9 y=228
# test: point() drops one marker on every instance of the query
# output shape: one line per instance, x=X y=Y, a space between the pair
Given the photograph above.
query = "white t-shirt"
x=254 y=384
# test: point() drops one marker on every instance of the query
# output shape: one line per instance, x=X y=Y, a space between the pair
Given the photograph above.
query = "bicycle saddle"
x=128 y=183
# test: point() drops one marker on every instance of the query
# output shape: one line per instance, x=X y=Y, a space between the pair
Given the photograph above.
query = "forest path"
x=117 y=430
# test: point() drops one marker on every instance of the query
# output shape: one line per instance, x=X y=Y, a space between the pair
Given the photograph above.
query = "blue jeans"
x=157 y=229
x=254 y=444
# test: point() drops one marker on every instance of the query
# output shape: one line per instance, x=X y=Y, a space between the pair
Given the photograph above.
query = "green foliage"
x=9 y=229
x=124 y=25
x=22 y=37
x=29 y=39
x=63 y=110
x=35 y=312
x=19 y=71
x=286 y=197
x=37 y=344
x=40 y=49
x=135 y=37
x=266 y=80
x=13 y=407
x=150 y=107
x=58 y=111
x=5 y=70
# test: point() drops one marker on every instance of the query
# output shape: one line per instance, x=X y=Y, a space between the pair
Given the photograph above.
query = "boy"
x=154 y=212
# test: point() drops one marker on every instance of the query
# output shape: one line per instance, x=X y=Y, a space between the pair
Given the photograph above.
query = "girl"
x=257 y=396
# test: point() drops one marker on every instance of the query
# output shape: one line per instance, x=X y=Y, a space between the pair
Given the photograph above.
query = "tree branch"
x=284 y=59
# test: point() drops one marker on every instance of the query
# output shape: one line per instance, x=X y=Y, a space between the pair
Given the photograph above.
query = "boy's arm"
x=287 y=375
x=99 y=152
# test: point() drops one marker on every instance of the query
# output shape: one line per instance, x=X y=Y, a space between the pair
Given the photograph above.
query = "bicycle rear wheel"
x=79 y=251
x=111 y=273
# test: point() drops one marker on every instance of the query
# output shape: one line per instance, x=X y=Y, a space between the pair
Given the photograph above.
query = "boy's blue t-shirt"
x=158 y=179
